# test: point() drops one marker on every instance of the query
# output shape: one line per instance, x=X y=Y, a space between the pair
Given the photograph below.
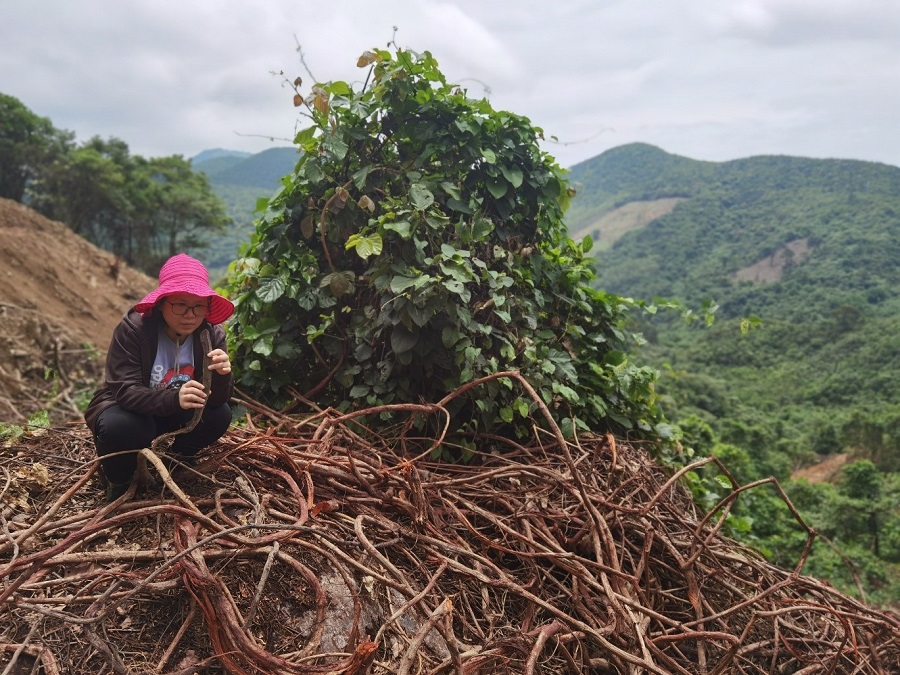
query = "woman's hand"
x=218 y=362
x=191 y=395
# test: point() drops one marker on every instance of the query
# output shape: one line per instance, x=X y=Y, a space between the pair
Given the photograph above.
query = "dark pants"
x=117 y=430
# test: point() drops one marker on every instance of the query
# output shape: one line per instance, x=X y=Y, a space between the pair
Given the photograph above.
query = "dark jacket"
x=129 y=360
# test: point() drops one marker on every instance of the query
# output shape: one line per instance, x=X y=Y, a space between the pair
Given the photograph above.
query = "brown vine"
x=302 y=547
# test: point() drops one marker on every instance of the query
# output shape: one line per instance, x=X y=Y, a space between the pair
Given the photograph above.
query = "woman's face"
x=184 y=312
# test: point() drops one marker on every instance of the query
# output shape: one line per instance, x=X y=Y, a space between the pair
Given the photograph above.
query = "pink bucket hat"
x=184 y=274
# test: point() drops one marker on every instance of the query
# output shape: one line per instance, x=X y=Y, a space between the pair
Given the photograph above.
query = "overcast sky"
x=707 y=79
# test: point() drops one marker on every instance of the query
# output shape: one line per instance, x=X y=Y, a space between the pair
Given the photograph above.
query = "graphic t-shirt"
x=174 y=364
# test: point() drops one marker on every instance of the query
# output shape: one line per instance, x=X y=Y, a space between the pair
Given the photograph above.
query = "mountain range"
x=753 y=231
x=263 y=170
x=239 y=179
x=799 y=369
x=804 y=250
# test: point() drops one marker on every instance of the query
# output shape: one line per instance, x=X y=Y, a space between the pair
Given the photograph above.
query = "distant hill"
x=217 y=165
x=809 y=246
x=262 y=170
x=239 y=179
x=632 y=173
x=672 y=226
x=216 y=153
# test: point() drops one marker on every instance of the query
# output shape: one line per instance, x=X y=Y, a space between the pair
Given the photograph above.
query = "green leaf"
x=313 y=172
x=521 y=407
x=481 y=228
x=306 y=138
x=401 y=227
x=497 y=187
x=723 y=481
x=365 y=245
x=420 y=196
x=460 y=206
x=360 y=391
x=449 y=336
x=402 y=339
x=360 y=176
x=270 y=289
x=263 y=346
x=459 y=289
x=749 y=323
x=338 y=88
x=401 y=283
x=615 y=358
x=335 y=145
x=513 y=174
x=666 y=431
x=489 y=155
x=451 y=190
x=455 y=272
x=268 y=326
x=566 y=392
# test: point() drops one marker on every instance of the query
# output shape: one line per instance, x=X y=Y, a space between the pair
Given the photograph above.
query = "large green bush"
x=418 y=245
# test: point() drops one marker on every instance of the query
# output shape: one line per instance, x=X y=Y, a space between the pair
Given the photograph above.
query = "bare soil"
x=60 y=299
x=615 y=224
x=772 y=268
x=826 y=470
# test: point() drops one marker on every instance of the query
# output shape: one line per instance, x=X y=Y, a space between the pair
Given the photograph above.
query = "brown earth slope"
x=60 y=298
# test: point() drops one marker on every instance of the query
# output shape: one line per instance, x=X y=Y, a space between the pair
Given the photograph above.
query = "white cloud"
x=710 y=80
x=793 y=22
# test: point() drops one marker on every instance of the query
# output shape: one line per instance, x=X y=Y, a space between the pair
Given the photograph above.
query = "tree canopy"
x=26 y=142
x=143 y=210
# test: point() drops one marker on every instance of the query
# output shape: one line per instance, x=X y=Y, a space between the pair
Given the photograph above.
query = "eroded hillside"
x=60 y=298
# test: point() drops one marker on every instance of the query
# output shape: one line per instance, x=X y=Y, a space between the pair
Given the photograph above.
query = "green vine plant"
x=418 y=245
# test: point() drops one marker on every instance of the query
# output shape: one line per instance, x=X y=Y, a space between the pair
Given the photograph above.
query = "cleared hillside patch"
x=60 y=299
x=613 y=225
x=772 y=267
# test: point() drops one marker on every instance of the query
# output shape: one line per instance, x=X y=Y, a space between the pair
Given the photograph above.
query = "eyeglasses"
x=180 y=309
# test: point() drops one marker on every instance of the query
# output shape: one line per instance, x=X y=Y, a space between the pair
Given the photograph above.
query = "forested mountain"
x=805 y=252
x=263 y=170
x=808 y=246
x=219 y=153
x=239 y=180
x=830 y=222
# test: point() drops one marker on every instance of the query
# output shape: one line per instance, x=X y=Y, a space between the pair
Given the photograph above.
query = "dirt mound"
x=60 y=298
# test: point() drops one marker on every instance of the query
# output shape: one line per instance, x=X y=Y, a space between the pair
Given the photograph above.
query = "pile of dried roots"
x=302 y=546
